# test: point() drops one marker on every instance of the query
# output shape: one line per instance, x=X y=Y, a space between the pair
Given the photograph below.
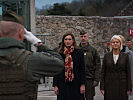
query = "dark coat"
x=71 y=90
x=116 y=78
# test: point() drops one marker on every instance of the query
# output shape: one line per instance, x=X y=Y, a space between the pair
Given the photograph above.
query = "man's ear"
x=21 y=34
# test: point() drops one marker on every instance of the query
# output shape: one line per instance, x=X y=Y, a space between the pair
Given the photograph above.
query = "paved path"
x=44 y=94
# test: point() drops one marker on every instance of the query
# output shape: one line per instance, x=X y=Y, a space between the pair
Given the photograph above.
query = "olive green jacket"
x=43 y=63
x=92 y=63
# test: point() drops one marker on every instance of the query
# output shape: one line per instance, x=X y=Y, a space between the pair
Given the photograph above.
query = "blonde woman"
x=116 y=76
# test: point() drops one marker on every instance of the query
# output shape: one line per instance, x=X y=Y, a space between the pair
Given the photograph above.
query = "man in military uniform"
x=20 y=70
x=130 y=54
x=92 y=66
x=130 y=44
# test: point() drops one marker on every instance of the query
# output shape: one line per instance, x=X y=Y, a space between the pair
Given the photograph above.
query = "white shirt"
x=115 y=57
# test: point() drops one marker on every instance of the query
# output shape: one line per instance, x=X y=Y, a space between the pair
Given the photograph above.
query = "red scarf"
x=69 y=75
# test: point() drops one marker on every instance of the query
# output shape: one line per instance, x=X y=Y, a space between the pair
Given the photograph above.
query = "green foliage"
x=81 y=12
x=98 y=7
x=87 y=8
x=59 y=9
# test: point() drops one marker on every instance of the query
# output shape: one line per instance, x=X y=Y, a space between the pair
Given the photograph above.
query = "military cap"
x=129 y=39
x=12 y=16
x=82 y=32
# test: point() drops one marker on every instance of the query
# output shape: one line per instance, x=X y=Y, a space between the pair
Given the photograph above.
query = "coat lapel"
x=112 y=59
x=120 y=55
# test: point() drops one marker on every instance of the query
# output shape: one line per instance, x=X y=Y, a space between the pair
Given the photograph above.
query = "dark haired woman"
x=70 y=83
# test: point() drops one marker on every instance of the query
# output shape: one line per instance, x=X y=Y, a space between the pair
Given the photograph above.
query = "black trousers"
x=89 y=90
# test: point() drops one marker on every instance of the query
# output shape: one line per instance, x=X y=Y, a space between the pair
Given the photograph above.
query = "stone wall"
x=100 y=29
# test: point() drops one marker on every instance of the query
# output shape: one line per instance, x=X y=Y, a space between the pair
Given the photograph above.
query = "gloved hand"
x=95 y=83
x=31 y=38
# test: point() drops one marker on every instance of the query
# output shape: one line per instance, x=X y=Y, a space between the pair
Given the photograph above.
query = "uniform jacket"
x=131 y=48
x=92 y=63
x=116 y=78
x=47 y=63
x=130 y=54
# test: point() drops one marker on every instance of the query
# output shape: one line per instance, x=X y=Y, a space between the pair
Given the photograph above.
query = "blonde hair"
x=122 y=39
x=116 y=37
